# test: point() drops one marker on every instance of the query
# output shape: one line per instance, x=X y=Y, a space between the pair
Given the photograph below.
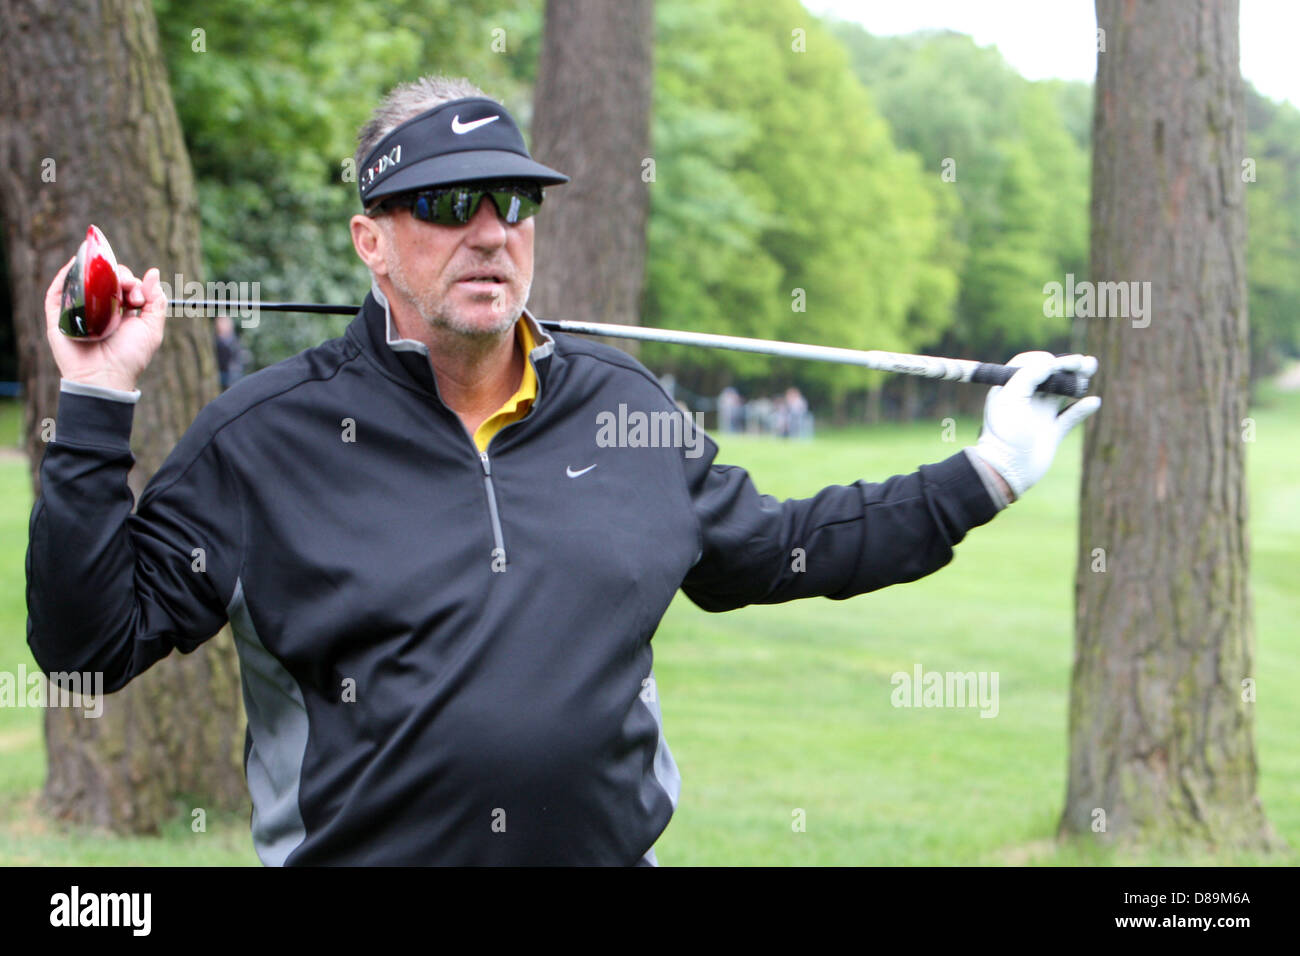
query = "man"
x=442 y=586
x=231 y=354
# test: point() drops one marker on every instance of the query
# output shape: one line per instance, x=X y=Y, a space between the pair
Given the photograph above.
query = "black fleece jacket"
x=446 y=656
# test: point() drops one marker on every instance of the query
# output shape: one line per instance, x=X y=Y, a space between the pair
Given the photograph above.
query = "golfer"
x=441 y=584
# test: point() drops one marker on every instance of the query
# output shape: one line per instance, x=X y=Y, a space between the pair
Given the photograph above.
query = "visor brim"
x=465 y=167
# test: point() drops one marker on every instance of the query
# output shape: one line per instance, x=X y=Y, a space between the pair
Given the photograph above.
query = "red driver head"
x=92 y=291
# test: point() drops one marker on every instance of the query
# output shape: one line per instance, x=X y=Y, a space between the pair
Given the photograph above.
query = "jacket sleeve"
x=110 y=591
x=843 y=541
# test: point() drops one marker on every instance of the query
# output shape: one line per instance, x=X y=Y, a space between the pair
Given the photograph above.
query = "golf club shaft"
x=943 y=369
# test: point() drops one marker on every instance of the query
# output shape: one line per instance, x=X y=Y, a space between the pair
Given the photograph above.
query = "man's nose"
x=486 y=227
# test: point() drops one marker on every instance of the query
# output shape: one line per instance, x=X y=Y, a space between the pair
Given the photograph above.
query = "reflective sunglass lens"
x=457 y=206
x=464 y=203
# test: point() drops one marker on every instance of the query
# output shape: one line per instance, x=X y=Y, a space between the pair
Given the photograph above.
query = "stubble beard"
x=439 y=313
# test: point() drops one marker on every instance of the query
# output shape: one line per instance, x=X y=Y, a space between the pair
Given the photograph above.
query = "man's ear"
x=370 y=240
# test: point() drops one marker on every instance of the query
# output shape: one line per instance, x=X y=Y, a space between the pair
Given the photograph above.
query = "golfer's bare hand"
x=117 y=361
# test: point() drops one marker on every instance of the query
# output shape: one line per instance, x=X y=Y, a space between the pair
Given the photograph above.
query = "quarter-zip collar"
x=408 y=359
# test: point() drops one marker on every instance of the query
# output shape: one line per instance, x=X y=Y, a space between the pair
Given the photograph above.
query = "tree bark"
x=1161 y=728
x=89 y=133
x=591 y=121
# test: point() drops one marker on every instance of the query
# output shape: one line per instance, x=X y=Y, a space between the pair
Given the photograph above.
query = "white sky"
x=1055 y=38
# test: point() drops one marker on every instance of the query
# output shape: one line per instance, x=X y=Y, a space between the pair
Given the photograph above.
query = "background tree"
x=1161 y=721
x=89 y=134
x=591 y=120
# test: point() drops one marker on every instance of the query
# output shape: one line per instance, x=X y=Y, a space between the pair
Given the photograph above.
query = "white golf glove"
x=1021 y=427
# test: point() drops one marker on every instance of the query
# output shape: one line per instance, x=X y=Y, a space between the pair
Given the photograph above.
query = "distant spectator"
x=758 y=416
x=232 y=357
x=780 y=417
x=799 y=421
x=731 y=416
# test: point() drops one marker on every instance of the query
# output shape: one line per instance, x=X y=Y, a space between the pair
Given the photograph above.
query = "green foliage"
x=706 y=268
x=1273 y=247
x=779 y=185
x=1019 y=154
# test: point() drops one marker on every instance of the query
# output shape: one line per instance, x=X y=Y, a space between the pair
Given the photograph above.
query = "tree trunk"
x=1161 y=724
x=88 y=133
x=591 y=120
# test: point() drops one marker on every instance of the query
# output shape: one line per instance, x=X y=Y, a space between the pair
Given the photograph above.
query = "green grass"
x=768 y=709
x=773 y=709
x=11 y=423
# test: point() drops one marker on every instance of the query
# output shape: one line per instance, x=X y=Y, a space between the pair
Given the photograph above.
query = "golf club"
x=1069 y=384
x=92 y=310
x=91 y=306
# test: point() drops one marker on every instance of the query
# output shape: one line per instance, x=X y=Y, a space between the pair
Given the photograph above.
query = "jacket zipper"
x=498 y=537
x=498 y=540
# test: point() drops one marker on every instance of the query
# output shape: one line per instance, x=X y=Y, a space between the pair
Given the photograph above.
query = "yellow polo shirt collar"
x=517 y=405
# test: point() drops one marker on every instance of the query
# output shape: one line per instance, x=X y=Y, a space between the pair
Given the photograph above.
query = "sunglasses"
x=456 y=205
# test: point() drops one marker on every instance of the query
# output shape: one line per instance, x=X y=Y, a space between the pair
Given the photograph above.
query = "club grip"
x=1069 y=384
